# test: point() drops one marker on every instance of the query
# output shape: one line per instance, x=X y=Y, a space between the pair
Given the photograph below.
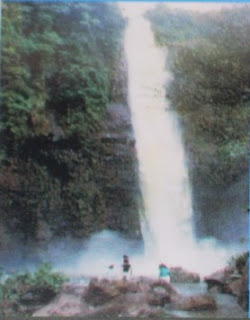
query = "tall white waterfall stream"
x=167 y=219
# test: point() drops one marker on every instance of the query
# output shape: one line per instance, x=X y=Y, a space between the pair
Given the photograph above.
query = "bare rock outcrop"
x=219 y=280
x=232 y=280
x=128 y=298
x=179 y=275
x=195 y=303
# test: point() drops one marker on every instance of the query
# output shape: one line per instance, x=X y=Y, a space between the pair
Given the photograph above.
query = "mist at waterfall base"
x=93 y=257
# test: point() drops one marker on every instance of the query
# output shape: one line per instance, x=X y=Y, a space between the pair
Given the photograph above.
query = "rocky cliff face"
x=222 y=212
x=118 y=176
x=57 y=191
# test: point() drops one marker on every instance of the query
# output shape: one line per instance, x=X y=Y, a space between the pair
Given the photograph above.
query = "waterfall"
x=167 y=220
x=163 y=173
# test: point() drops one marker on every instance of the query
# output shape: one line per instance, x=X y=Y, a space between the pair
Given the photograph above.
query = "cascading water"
x=168 y=232
x=161 y=158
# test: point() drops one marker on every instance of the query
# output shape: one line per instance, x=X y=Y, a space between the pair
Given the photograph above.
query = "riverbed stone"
x=219 y=279
x=195 y=303
x=233 y=287
x=180 y=275
x=101 y=292
x=137 y=297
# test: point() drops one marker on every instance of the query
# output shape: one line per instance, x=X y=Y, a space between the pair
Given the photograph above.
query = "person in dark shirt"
x=126 y=267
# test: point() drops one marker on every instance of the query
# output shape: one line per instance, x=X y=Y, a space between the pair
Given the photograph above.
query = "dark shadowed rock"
x=118 y=173
x=36 y=296
x=243 y=297
x=219 y=279
x=233 y=280
x=160 y=293
x=233 y=287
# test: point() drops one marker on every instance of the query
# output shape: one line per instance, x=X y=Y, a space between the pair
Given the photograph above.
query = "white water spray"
x=168 y=232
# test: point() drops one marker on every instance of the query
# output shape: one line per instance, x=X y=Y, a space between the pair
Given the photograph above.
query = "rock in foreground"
x=179 y=275
x=129 y=298
x=196 y=303
x=233 y=280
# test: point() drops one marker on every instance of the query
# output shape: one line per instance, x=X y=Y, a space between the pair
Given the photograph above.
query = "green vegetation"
x=209 y=59
x=239 y=262
x=210 y=90
x=31 y=289
x=57 y=72
x=177 y=26
x=56 y=68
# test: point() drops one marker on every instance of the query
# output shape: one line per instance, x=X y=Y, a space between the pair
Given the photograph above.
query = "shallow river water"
x=227 y=304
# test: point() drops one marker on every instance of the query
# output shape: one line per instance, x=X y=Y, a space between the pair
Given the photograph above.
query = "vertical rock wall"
x=118 y=178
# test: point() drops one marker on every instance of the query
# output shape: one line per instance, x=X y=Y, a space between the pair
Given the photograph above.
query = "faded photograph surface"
x=123 y=160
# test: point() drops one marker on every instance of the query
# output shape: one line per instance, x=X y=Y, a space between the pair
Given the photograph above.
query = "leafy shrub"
x=57 y=72
x=241 y=262
x=44 y=277
x=16 y=286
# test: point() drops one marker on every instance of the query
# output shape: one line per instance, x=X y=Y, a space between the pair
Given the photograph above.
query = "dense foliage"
x=209 y=59
x=26 y=288
x=56 y=68
x=57 y=72
x=211 y=86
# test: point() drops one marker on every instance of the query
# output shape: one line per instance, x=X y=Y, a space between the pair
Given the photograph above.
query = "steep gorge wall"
x=118 y=177
x=68 y=164
x=207 y=56
x=70 y=194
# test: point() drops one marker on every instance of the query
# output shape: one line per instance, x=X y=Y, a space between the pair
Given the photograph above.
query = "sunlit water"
x=167 y=220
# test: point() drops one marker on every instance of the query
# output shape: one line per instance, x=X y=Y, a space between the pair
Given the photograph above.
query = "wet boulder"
x=160 y=293
x=64 y=304
x=179 y=275
x=101 y=292
x=138 y=297
x=233 y=287
x=219 y=280
x=195 y=303
x=37 y=296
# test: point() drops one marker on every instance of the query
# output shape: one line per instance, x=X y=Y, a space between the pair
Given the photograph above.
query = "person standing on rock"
x=126 y=267
x=164 y=272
